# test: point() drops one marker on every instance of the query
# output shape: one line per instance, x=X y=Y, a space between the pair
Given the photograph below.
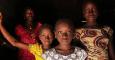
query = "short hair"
x=87 y=2
x=28 y=8
x=45 y=26
x=65 y=21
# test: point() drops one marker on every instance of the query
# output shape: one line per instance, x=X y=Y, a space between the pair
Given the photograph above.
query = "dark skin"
x=46 y=37
x=90 y=13
x=29 y=14
x=64 y=35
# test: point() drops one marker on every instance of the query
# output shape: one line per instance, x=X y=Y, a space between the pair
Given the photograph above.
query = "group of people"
x=35 y=43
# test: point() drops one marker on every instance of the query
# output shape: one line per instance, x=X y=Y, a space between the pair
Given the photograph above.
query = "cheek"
x=85 y=15
x=51 y=38
x=96 y=14
x=27 y=15
x=51 y=41
x=70 y=38
x=42 y=39
x=58 y=38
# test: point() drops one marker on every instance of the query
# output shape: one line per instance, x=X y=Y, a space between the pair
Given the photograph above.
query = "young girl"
x=64 y=50
x=45 y=36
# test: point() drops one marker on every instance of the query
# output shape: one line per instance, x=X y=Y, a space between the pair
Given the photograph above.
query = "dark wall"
x=47 y=11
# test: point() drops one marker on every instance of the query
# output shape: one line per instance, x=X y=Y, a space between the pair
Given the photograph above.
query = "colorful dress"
x=96 y=40
x=78 y=54
x=26 y=37
x=36 y=50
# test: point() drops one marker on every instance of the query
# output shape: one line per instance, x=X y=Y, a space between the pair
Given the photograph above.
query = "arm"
x=110 y=45
x=111 y=52
x=10 y=38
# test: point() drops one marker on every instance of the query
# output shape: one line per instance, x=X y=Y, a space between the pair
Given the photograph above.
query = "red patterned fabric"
x=25 y=37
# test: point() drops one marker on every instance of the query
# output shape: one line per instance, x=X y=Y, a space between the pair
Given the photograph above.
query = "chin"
x=47 y=43
x=91 y=19
x=66 y=42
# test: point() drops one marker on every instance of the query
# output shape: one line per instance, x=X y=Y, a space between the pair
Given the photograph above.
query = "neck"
x=45 y=47
x=91 y=23
x=29 y=26
x=29 y=22
x=64 y=47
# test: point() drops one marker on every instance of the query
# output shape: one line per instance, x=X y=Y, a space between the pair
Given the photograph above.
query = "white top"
x=78 y=54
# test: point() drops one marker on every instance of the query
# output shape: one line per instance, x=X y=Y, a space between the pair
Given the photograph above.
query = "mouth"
x=65 y=39
x=47 y=42
x=92 y=16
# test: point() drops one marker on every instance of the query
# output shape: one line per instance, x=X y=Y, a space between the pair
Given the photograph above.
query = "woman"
x=45 y=36
x=97 y=39
x=27 y=33
x=64 y=50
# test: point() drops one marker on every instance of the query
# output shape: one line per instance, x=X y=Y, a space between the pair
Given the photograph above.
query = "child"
x=64 y=50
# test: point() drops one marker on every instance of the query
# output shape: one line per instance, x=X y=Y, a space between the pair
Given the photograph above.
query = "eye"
x=59 y=32
x=42 y=35
x=69 y=32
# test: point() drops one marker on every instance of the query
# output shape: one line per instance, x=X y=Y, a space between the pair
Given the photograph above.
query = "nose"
x=65 y=35
x=91 y=11
x=47 y=37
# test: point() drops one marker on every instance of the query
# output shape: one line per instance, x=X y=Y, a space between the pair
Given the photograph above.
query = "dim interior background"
x=48 y=11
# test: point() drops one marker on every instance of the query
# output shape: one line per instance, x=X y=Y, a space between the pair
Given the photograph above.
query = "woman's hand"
x=1 y=17
x=9 y=37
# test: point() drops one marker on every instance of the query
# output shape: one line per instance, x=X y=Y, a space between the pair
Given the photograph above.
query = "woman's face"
x=46 y=36
x=63 y=33
x=29 y=14
x=90 y=12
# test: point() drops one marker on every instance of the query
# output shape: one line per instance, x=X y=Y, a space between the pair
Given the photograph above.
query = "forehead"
x=62 y=26
x=90 y=5
x=29 y=10
x=45 y=29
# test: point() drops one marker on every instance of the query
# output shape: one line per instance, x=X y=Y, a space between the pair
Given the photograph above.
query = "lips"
x=92 y=16
x=47 y=41
x=64 y=38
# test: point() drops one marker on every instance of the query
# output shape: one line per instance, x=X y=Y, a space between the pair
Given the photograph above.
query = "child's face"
x=63 y=33
x=46 y=36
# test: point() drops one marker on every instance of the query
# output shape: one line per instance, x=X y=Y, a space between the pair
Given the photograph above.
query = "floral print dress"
x=96 y=41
